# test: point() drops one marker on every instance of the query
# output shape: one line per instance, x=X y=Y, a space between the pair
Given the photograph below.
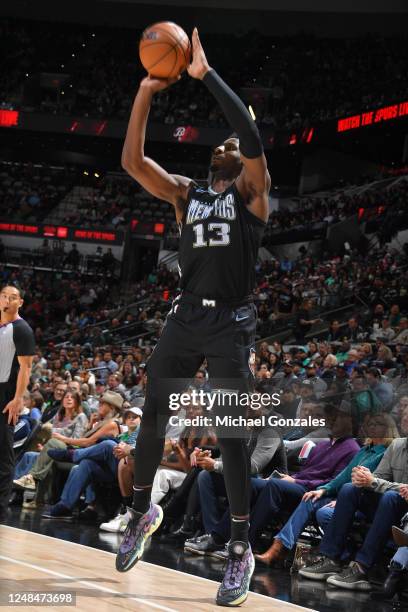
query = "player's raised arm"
x=155 y=179
x=254 y=181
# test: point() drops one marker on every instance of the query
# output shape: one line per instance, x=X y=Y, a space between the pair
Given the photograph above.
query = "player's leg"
x=173 y=363
x=229 y=357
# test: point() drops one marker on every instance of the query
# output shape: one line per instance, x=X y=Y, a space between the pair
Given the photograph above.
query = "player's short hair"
x=15 y=286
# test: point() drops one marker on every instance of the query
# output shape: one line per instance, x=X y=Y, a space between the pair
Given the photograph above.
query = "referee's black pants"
x=225 y=336
x=6 y=454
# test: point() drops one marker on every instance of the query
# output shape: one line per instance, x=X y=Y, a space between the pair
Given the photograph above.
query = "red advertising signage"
x=386 y=113
x=8 y=118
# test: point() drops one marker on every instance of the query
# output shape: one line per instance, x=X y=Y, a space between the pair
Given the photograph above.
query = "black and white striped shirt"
x=16 y=340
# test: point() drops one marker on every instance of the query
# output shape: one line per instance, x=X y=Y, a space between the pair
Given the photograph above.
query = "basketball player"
x=17 y=346
x=214 y=317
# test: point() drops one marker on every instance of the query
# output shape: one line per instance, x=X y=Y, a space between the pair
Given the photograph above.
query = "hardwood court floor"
x=34 y=562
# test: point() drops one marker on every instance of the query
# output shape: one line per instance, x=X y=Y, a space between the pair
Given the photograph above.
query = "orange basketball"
x=164 y=50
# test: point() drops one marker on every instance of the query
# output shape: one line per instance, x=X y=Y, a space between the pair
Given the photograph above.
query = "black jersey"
x=16 y=339
x=219 y=242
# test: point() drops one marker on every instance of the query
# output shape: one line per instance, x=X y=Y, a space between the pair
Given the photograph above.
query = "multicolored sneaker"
x=138 y=531
x=234 y=588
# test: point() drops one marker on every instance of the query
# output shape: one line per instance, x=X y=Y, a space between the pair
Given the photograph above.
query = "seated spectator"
x=295 y=438
x=328 y=373
x=284 y=492
x=324 y=461
x=383 y=499
x=266 y=454
x=404 y=422
x=319 y=385
x=352 y=361
x=364 y=401
x=402 y=335
x=96 y=463
x=71 y=421
x=284 y=378
x=353 y=331
x=383 y=332
x=382 y=390
x=335 y=333
x=380 y=431
x=178 y=461
x=53 y=404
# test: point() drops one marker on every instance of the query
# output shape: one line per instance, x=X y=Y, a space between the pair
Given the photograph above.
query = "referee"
x=17 y=347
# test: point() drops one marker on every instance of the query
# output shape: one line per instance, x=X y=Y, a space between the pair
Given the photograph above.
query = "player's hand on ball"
x=199 y=66
x=155 y=85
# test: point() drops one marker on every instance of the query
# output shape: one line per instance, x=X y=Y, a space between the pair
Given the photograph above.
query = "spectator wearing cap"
x=105 y=424
x=286 y=379
x=319 y=385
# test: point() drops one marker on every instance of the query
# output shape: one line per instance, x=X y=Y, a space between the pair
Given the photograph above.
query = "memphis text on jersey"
x=222 y=207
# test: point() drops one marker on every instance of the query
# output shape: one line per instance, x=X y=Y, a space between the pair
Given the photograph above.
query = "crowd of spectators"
x=338 y=431
x=29 y=192
x=343 y=398
x=284 y=286
x=295 y=80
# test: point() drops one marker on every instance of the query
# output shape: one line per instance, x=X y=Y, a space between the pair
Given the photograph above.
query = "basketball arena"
x=204 y=305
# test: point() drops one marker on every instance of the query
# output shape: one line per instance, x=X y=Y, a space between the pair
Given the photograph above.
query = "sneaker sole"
x=242 y=598
x=108 y=530
x=153 y=527
x=201 y=553
x=360 y=585
x=320 y=577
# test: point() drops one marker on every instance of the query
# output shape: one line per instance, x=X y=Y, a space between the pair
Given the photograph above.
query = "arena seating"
x=298 y=79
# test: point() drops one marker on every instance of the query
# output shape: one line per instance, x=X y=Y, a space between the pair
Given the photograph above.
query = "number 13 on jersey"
x=218 y=235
